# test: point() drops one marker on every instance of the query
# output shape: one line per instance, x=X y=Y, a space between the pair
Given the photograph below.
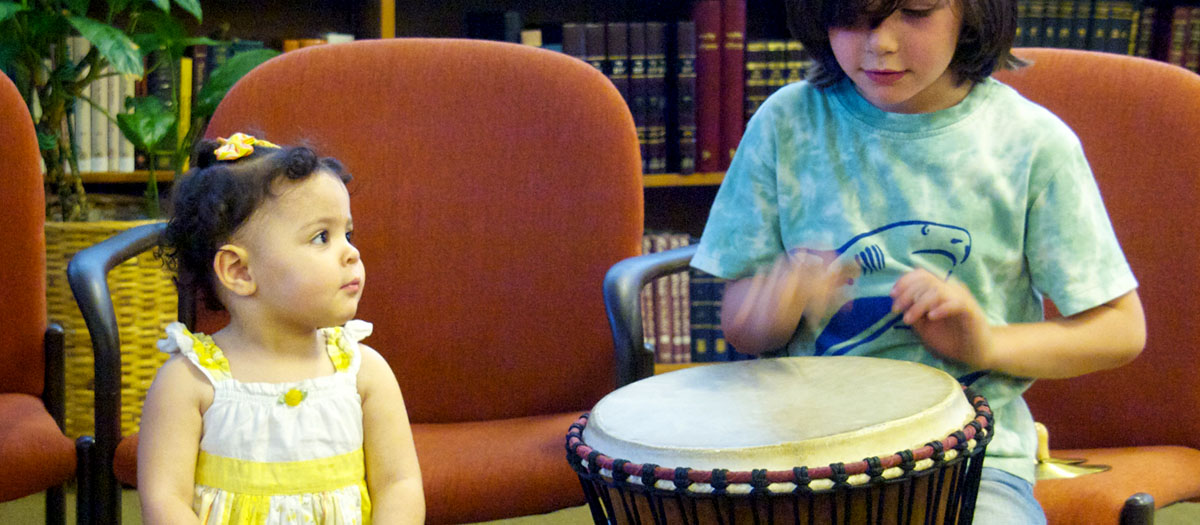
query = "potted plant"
x=34 y=38
x=34 y=51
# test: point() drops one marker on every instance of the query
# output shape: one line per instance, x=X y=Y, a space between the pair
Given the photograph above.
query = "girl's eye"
x=917 y=13
x=350 y=237
x=321 y=238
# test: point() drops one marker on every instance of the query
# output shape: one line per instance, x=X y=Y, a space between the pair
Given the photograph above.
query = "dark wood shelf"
x=668 y=180
x=130 y=177
x=662 y=368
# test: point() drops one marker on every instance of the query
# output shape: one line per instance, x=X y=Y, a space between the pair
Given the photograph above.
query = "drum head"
x=779 y=413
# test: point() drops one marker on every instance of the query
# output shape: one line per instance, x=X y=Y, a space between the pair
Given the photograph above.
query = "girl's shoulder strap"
x=342 y=344
x=199 y=349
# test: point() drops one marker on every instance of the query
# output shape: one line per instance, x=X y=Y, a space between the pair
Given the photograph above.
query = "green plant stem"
x=152 y=186
x=73 y=160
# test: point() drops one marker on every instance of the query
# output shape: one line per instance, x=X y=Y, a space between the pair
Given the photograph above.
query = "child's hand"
x=945 y=316
x=798 y=285
x=824 y=288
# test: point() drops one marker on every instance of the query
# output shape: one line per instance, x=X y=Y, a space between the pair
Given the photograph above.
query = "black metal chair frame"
x=99 y=494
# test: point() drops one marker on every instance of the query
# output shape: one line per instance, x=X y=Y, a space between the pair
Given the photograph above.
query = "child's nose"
x=352 y=255
x=883 y=38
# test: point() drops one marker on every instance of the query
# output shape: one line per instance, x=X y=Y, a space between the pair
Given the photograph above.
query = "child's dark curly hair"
x=216 y=197
x=984 y=43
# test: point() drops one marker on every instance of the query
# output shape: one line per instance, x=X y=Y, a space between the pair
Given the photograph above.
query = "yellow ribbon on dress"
x=239 y=145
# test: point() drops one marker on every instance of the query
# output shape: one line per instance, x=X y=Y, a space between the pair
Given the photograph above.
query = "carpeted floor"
x=31 y=511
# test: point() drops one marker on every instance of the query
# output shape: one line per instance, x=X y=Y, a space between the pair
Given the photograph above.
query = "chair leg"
x=1138 y=510
x=83 y=480
x=53 y=394
x=56 y=506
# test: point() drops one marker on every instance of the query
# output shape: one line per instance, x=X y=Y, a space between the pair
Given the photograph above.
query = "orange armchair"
x=1139 y=122
x=35 y=455
x=494 y=186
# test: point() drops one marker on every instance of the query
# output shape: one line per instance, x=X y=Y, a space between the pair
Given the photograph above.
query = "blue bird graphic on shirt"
x=910 y=244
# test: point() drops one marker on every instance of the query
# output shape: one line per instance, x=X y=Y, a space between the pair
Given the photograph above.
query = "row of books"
x=770 y=65
x=1183 y=47
x=1099 y=25
x=684 y=81
x=634 y=57
x=99 y=145
x=681 y=313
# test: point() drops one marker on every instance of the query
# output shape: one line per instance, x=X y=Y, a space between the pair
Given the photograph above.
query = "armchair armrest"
x=54 y=382
x=622 y=300
x=87 y=274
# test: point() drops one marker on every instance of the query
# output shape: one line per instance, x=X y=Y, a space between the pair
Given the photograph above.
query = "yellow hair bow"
x=239 y=145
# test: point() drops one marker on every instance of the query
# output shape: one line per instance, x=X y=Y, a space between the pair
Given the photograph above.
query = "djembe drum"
x=788 y=440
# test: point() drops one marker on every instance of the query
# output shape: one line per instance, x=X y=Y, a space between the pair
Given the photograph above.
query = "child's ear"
x=231 y=268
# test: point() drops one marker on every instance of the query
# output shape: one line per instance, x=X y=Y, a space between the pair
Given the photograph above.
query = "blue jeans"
x=1005 y=499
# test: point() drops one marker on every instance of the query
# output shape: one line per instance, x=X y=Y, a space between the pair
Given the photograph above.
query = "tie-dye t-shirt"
x=994 y=191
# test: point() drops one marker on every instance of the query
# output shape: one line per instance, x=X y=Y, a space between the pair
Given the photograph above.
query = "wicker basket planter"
x=144 y=300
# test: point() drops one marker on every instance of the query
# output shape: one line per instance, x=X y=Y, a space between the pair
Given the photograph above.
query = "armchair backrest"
x=494 y=186
x=23 y=274
x=1139 y=122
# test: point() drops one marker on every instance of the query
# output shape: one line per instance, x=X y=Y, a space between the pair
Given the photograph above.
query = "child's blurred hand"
x=945 y=316
x=798 y=285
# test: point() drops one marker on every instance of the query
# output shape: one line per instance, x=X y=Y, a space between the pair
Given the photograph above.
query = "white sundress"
x=280 y=452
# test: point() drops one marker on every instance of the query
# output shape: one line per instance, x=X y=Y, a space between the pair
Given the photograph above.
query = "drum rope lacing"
x=974 y=435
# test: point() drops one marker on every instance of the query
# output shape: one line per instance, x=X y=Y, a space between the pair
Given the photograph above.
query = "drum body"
x=788 y=440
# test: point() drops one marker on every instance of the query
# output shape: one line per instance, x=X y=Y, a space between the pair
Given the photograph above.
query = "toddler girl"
x=282 y=416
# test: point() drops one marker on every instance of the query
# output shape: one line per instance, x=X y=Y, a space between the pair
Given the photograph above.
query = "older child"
x=904 y=204
x=282 y=416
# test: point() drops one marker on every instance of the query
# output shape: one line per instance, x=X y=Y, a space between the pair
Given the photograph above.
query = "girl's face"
x=307 y=272
x=901 y=64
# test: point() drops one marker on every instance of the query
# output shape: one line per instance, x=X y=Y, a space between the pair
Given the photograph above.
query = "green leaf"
x=122 y=54
x=223 y=78
x=201 y=40
x=118 y=6
x=150 y=122
x=8 y=9
x=10 y=48
x=78 y=7
x=169 y=32
x=165 y=5
x=147 y=43
x=191 y=6
x=45 y=30
x=47 y=141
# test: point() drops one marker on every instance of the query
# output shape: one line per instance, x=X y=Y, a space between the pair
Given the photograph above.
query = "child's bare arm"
x=951 y=324
x=393 y=475
x=761 y=313
x=169 y=443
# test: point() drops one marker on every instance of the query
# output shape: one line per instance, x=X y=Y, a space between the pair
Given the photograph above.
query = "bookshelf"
x=665 y=180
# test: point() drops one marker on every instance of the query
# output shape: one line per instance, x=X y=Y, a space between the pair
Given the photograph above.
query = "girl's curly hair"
x=216 y=197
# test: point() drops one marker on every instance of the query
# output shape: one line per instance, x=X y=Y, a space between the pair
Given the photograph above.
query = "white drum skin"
x=779 y=413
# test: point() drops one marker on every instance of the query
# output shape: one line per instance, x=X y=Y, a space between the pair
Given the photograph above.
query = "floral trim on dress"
x=339 y=349
x=209 y=355
x=199 y=348
x=342 y=342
